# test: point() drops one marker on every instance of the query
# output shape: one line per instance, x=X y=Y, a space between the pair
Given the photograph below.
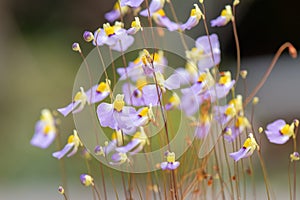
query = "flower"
x=115 y=13
x=94 y=95
x=115 y=115
x=279 y=132
x=174 y=102
x=131 y=3
x=224 y=18
x=79 y=101
x=137 y=143
x=207 y=53
x=154 y=6
x=135 y=26
x=161 y=19
x=119 y=158
x=241 y=123
x=193 y=20
x=73 y=142
x=45 y=130
x=247 y=150
x=115 y=37
x=86 y=180
x=294 y=156
x=171 y=164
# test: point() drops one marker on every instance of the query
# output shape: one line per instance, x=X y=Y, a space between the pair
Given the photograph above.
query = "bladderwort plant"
x=167 y=131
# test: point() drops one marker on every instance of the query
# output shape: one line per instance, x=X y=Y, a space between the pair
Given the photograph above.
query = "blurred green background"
x=38 y=67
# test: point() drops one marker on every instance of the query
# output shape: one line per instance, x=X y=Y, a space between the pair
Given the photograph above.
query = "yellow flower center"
x=70 y=139
x=140 y=83
x=47 y=129
x=78 y=96
x=161 y=12
x=102 y=87
x=171 y=157
x=202 y=78
x=119 y=103
x=287 y=129
x=144 y=112
x=109 y=30
x=230 y=111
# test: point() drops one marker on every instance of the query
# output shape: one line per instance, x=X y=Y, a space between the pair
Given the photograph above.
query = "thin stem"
x=263 y=80
x=289 y=179
x=264 y=173
x=229 y=171
x=103 y=181
x=97 y=192
x=237 y=44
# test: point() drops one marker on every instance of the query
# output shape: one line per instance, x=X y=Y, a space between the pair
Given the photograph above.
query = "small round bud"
x=255 y=100
x=61 y=190
x=293 y=51
x=86 y=180
x=236 y=2
x=294 y=156
x=244 y=73
x=88 y=36
x=201 y=1
x=76 y=47
x=296 y=122
x=260 y=129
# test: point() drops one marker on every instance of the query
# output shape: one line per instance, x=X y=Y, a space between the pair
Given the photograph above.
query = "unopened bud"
x=88 y=36
x=296 y=122
x=260 y=129
x=236 y=2
x=255 y=100
x=76 y=47
x=293 y=51
x=61 y=190
x=244 y=73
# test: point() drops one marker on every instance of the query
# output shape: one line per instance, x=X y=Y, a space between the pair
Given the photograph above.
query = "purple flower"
x=115 y=37
x=116 y=115
x=247 y=150
x=189 y=74
x=135 y=26
x=193 y=20
x=202 y=53
x=171 y=164
x=240 y=125
x=203 y=126
x=94 y=95
x=119 y=158
x=86 y=180
x=161 y=19
x=115 y=14
x=154 y=6
x=137 y=143
x=224 y=18
x=174 y=102
x=279 y=132
x=45 y=130
x=131 y=3
x=73 y=142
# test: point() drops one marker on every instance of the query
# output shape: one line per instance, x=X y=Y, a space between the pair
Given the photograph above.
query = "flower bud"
x=88 y=36
x=86 y=180
x=76 y=47
x=61 y=190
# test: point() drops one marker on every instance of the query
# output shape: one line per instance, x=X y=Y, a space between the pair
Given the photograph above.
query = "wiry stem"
x=237 y=44
x=292 y=52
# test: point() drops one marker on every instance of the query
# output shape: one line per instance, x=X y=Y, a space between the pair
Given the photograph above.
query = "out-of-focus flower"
x=86 y=180
x=94 y=95
x=174 y=102
x=247 y=150
x=115 y=115
x=115 y=13
x=193 y=20
x=119 y=158
x=161 y=19
x=279 y=132
x=137 y=143
x=73 y=142
x=45 y=130
x=295 y=156
x=61 y=190
x=131 y=3
x=240 y=125
x=115 y=37
x=224 y=18
x=189 y=74
x=171 y=164
x=207 y=52
x=77 y=105
x=135 y=26
x=116 y=140
x=154 y=6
